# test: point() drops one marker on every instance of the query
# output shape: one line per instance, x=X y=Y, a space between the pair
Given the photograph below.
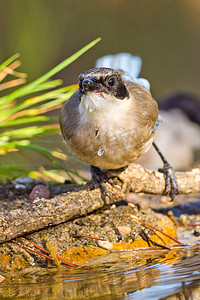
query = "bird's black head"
x=103 y=80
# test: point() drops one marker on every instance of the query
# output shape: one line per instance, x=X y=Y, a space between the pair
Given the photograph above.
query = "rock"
x=124 y=229
x=20 y=186
x=105 y=244
x=24 y=180
x=40 y=191
x=184 y=219
x=113 y=206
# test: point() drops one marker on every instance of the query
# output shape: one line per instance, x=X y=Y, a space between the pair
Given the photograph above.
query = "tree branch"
x=42 y=213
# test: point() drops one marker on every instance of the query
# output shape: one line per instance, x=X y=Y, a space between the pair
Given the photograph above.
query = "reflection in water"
x=182 y=278
x=119 y=276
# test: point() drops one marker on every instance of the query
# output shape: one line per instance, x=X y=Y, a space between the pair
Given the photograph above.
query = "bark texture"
x=42 y=213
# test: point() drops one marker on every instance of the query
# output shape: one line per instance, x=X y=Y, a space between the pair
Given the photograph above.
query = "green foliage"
x=23 y=118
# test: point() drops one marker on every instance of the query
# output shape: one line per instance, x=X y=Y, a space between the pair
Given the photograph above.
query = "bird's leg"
x=171 y=185
x=98 y=178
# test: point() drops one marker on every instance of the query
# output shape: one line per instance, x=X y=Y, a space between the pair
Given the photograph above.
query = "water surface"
x=129 y=275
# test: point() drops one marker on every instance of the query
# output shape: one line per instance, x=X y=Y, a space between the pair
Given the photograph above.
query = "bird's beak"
x=90 y=84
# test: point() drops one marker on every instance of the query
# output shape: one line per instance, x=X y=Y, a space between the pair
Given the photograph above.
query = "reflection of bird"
x=181 y=128
x=111 y=120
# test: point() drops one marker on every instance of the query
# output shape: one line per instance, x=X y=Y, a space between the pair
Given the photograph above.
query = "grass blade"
x=9 y=61
x=31 y=86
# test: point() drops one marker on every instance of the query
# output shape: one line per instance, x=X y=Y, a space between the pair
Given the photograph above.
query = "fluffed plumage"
x=110 y=121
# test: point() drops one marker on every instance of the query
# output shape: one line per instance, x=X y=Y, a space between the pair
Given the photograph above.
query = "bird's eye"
x=111 y=81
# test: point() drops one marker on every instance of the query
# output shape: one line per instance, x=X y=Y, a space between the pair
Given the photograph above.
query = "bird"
x=111 y=120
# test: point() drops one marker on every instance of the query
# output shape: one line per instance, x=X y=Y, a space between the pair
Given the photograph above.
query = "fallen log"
x=42 y=213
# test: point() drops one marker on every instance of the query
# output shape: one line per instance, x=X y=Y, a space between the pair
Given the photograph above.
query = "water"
x=129 y=275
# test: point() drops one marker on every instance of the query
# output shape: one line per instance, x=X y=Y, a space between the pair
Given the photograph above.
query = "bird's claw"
x=171 y=184
x=98 y=178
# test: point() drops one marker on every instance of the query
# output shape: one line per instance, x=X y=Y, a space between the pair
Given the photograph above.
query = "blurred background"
x=165 y=34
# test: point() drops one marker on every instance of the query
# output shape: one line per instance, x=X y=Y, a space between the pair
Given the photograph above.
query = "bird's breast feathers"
x=103 y=110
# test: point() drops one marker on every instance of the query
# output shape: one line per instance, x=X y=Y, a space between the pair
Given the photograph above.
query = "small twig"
x=152 y=227
x=42 y=249
x=149 y=241
x=29 y=249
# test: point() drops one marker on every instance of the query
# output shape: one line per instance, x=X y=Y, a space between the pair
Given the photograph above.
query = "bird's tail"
x=129 y=64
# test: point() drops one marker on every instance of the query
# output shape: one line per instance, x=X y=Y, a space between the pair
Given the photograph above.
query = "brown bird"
x=110 y=122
